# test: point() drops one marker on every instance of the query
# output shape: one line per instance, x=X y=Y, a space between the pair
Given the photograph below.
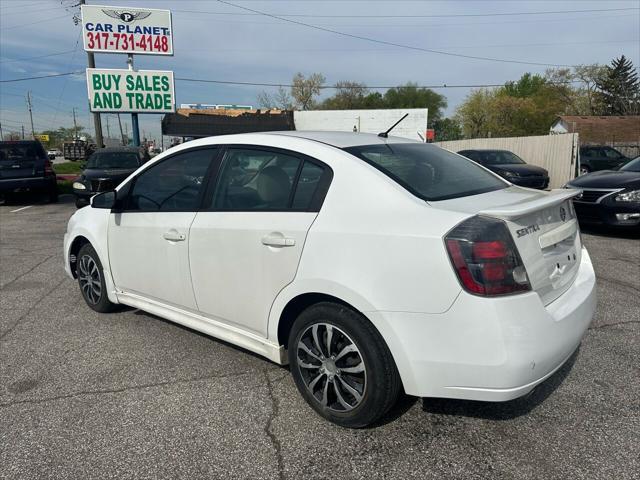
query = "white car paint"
x=374 y=246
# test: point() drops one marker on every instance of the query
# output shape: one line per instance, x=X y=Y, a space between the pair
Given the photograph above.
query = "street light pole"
x=33 y=133
x=134 y=116
x=97 y=122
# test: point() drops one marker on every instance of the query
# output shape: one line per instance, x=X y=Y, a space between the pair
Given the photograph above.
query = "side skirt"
x=261 y=346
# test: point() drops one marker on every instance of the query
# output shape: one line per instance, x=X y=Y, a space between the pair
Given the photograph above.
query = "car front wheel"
x=342 y=366
x=91 y=280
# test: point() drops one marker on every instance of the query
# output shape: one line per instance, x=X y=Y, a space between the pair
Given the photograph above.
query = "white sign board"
x=128 y=91
x=126 y=30
x=366 y=121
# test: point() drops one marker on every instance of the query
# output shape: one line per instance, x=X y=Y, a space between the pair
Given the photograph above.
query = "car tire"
x=91 y=280
x=584 y=170
x=52 y=194
x=329 y=379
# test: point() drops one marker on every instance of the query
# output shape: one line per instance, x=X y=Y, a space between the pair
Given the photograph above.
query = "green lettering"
x=165 y=84
x=97 y=103
x=107 y=100
x=148 y=103
x=117 y=100
x=167 y=101
x=116 y=81
x=130 y=98
x=95 y=79
x=130 y=82
x=156 y=84
x=139 y=101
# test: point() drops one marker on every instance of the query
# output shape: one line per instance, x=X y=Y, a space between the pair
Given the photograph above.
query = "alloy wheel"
x=332 y=367
x=89 y=278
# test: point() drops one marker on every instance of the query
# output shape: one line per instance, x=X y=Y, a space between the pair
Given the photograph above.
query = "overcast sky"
x=216 y=41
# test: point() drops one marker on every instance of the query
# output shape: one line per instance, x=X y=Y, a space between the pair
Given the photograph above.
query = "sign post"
x=144 y=31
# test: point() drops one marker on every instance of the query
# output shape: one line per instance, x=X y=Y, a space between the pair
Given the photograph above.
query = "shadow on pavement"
x=600 y=231
x=501 y=410
x=23 y=199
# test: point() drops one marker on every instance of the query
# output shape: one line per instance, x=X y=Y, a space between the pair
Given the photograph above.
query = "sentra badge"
x=527 y=230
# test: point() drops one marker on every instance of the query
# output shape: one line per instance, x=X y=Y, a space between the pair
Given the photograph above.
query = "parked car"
x=104 y=170
x=24 y=165
x=51 y=154
x=609 y=197
x=370 y=265
x=600 y=157
x=510 y=166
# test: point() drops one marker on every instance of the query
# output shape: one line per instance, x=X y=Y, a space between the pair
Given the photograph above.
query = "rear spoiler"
x=511 y=212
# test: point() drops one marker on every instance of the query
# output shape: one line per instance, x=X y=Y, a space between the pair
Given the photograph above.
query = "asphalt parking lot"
x=128 y=395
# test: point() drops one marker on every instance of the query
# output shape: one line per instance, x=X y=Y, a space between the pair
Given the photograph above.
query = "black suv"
x=600 y=157
x=105 y=170
x=510 y=166
x=24 y=165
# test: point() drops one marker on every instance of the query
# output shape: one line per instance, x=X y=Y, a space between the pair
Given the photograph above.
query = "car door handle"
x=278 y=240
x=174 y=236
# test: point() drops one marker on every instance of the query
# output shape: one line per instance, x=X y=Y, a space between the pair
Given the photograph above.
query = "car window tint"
x=20 y=153
x=253 y=180
x=611 y=153
x=173 y=184
x=588 y=152
x=427 y=171
x=307 y=185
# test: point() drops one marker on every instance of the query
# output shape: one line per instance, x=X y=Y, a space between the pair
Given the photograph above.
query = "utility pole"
x=1 y=135
x=108 y=134
x=33 y=133
x=122 y=139
x=22 y=127
x=75 y=125
x=97 y=122
x=134 y=116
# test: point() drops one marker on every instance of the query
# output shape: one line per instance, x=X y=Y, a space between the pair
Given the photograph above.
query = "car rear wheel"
x=342 y=366
x=91 y=280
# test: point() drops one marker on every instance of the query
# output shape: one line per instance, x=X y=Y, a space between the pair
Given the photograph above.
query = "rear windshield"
x=113 y=160
x=427 y=171
x=632 y=166
x=17 y=154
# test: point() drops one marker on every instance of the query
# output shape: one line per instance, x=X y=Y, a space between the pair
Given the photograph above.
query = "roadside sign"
x=126 y=30
x=42 y=138
x=128 y=91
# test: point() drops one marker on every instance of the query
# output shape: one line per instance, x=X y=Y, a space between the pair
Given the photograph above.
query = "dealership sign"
x=128 y=91
x=127 y=30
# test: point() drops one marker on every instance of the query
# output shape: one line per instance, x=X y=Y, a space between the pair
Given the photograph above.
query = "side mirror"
x=105 y=200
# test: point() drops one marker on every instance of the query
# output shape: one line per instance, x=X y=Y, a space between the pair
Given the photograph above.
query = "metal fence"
x=556 y=153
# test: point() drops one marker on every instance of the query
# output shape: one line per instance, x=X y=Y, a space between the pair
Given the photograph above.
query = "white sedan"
x=370 y=265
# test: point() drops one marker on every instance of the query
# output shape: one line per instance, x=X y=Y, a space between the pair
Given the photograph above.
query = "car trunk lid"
x=544 y=229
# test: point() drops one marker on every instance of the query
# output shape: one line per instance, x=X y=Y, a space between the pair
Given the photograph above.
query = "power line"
x=34 y=58
x=33 y=23
x=444 y=15
x=41 y=76
x=399 y=45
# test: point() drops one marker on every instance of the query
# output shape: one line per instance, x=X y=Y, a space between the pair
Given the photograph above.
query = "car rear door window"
x=174 y=184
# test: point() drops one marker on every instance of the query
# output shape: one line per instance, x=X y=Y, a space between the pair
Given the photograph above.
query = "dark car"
x=24 y=165
x=510 y=166
x=600 y=157
x=609 y=197
x=106 y=169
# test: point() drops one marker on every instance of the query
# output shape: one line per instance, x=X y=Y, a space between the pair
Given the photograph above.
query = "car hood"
x=520 y=168
x=607 y=179
x=117 y=175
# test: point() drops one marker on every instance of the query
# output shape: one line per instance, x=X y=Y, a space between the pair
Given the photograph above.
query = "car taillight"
x=48 y=168
x=485 y=258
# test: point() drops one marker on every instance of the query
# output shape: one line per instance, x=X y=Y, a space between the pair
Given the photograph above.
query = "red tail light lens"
x=48 y=168
x=486 y=259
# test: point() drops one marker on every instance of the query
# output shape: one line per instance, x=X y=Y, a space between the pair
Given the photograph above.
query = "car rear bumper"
x=28 y=183
x=489 y=349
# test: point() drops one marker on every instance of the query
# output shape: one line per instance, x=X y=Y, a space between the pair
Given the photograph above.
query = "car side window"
x=589 y=152
x=611 y=153
x=172 y=185
x=309 y=181
x=254 y=180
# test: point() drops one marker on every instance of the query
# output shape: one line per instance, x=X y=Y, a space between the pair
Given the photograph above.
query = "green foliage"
x=447 y=129
x=61 y=135
x=68 y=167
x=528 y=86
x=619 y=89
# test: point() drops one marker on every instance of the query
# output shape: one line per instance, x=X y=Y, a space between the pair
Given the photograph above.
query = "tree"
x=576 y=88
x=447 y=129
x=527 y=86
x=280 y=100
x=619 y=90
x=410 y=96
x=348 y=95
x=304 y=90
x=474 y=113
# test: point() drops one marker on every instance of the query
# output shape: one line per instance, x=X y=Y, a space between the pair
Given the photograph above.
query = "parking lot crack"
x=616 y=324
x=122 y=389
x=275 y=441
x=30 y=309
x=27 y=272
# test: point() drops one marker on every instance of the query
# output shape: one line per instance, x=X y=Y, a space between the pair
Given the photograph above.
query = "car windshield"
x=427 y=171
x=632 y=166
x=107 y=160
x=17 y=154
x=498 y=157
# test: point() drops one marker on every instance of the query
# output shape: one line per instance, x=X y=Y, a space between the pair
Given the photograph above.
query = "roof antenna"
x=386 y=134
